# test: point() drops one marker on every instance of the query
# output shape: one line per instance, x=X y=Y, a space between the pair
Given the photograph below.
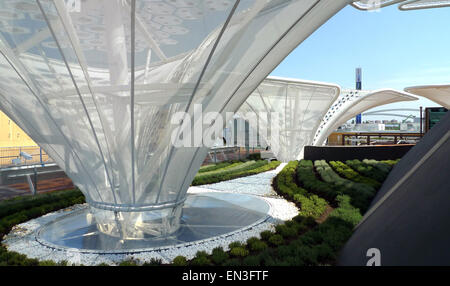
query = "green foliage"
x=255 y=244
x=201 y=254
x=369 y=170
x=285 y=231
x=235 y=244
x=213 y=167
x=239 y=252
x=180 y=261
x=128 y=263
x=258 y=246
x=284 y=183
x=153 y=262
x=347 y=172
x=21 y=209
x=201 y=261
x=321 y=244
x=234 y=171
x=219 y=256
x=361 y=194
x=253 y=260
x=276 y=240
x=265 y=235
x=232 y=262
x=102 y=264
x=307 y=177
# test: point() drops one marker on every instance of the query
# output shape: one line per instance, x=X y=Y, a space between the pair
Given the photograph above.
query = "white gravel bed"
x=22 y=237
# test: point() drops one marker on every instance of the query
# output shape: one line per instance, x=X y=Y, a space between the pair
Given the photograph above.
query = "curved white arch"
x=367 y=5
x=300 y=105
x=352 y=103
x=437 y=93
x=423 y=4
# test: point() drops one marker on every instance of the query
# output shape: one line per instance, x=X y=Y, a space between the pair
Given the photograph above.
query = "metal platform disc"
x=205 y=216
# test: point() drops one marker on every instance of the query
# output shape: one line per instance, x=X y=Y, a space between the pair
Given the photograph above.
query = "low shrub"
x=285 y=231
x=235 y=244
x=367 y=170
x=219 y=256
x=284 y=183
x=276 y=240
x=128 y=263
x=266 y=235
x=239 y=252
x=180 y=261
x=347 y=172
x=232 y=262
x=213 y=167
x=307 y=177
x=234 y=171
x=201 y=261
x=255 y=244
x=361 y=194
x=252 y=260
x=153 y=262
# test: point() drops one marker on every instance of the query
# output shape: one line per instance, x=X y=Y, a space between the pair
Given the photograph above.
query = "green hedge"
x=306 y=176
x=284 y=184
x=235 y=165
x=214 y=167
x=360 y=194
x=320 y=245
x=347 y=172
x=370 y=170
x=241 y=170
x=19 y=210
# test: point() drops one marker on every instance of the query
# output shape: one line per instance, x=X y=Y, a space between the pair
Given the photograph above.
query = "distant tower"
x=358 y=87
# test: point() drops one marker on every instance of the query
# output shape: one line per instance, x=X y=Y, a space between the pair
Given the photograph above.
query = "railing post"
x=35 y=180
x=40 y=155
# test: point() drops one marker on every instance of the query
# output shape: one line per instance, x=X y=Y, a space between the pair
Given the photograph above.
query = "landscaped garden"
x=331 y=197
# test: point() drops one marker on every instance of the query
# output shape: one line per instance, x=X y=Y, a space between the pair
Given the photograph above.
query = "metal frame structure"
x=353 y=102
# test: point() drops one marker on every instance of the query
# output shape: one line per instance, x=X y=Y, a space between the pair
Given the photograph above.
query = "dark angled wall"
x=409 y=220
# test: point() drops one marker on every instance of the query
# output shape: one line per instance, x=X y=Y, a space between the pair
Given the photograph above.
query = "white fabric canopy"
x=352 y=103
x=300 y=106
x=437 y=93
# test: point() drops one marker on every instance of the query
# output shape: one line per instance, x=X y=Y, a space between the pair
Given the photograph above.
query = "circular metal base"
x=204 y=216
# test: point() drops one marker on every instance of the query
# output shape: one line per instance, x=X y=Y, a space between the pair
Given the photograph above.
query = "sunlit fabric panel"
x=289 y=112
x=437 y=93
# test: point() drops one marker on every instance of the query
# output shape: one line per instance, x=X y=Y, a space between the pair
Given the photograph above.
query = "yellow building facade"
x=11 y=135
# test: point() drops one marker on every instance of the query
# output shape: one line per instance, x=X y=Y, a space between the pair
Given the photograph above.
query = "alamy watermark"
x=203 y=129
x=375 y=257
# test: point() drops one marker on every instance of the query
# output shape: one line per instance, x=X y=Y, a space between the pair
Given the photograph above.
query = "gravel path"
x=259 y=184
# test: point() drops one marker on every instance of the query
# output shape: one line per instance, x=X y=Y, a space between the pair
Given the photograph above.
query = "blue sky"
x=395 y=49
